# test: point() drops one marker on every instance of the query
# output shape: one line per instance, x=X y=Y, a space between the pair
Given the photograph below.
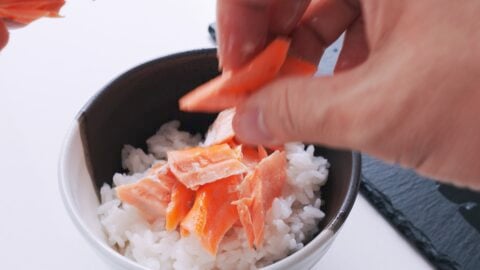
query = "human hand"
x=408 y=90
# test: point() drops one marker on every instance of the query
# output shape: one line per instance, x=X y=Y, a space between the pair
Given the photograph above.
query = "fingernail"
x=250 y=127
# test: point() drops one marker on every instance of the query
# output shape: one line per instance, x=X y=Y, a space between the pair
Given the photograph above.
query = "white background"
x=51 y=68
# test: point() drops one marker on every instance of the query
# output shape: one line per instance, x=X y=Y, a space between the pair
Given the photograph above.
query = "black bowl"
x=135 y=105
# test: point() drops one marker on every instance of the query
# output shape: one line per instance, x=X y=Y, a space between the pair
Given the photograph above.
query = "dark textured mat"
x=441 y=221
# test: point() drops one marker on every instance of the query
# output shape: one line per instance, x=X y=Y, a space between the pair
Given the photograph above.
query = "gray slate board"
x=442 y=221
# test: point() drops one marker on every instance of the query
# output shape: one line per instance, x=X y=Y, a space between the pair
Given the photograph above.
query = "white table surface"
x=51 y=68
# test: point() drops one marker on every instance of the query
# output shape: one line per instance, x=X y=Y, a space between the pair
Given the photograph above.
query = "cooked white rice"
x=290 y=223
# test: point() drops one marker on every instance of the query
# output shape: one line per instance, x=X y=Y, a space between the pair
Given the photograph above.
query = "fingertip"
x=242 y=31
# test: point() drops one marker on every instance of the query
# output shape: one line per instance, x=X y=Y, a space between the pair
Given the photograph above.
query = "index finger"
x=242 y=30
x=245 y=26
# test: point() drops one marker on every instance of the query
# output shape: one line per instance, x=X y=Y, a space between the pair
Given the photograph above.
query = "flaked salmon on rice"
x=201 y=165
x=156 y=241
x=257 y=192
x=181 y=201
x=207 y=189
x=213 y=213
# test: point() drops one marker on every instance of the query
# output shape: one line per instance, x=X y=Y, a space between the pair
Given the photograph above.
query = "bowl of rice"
x=134 y=122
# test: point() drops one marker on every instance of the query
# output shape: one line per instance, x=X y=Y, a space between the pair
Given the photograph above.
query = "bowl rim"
x=323 y=237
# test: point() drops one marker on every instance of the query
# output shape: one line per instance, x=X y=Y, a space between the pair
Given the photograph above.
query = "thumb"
x=316 y=110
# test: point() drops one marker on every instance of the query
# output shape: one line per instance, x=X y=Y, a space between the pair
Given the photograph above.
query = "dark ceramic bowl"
x=132 y=108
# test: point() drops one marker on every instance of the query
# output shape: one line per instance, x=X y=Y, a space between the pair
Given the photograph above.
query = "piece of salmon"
x=158 y=167
x=152 y=194
x=244 y=211
x=213 y=213
x=262 y=152
x=251 y=155
x=181 y=201
x=221 y=131
x=201 y=165
x=257 y=192
x=162 y=172
x=230 y=88
x=27 y=11
x=234 y=87
x=150 y=197
x=294 y=66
